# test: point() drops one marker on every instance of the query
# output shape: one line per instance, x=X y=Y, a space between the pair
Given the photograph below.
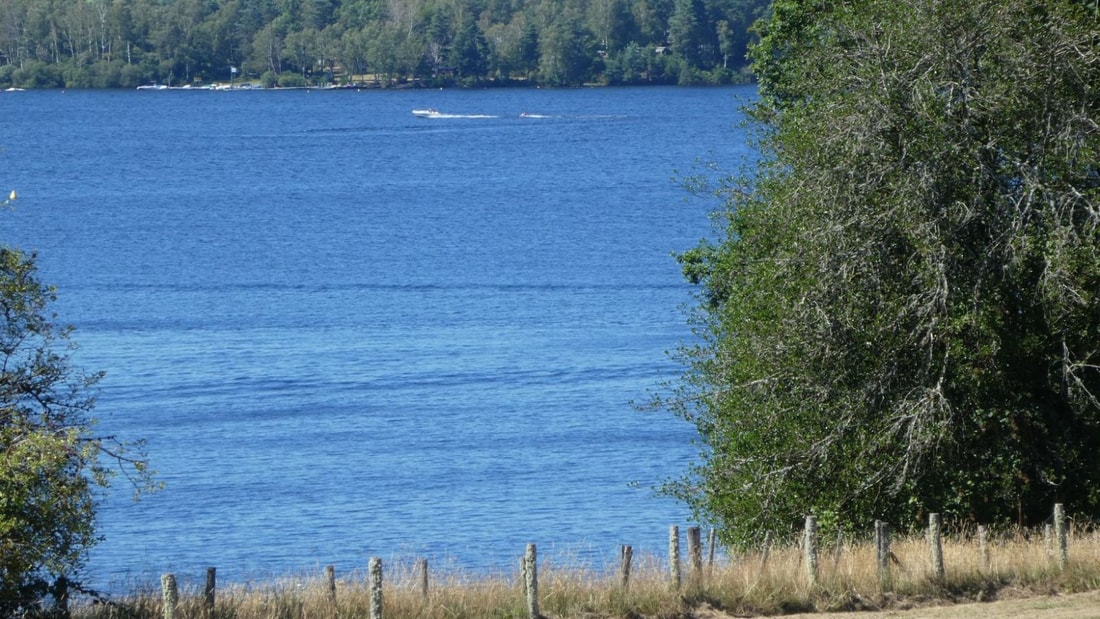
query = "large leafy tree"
x=470 y=51
x=53 y=465
x=901 y=314
x=688 y=32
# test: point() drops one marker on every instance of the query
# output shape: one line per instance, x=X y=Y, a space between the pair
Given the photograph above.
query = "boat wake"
x=434 y=113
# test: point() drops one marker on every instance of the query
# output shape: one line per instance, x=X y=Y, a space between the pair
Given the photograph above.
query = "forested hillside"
x=125 y=43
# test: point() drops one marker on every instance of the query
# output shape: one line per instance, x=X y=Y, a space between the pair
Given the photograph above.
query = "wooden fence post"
x=712 y=542
x=60 y=592
x=695 y=554
x=882 y=552
x=1061 y=535
x=375 y=569
x=766 y=550
x=208 y=592
x=809 y=547
x=531 y=581
x=626 y=554
x=330 y=583
x=171 y=595
x=838 y=549
x=983 y=546
x=423 y=565
x=674 y=555
x=935 y=541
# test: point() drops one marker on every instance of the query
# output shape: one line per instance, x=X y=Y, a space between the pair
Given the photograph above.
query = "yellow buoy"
x=12 y=196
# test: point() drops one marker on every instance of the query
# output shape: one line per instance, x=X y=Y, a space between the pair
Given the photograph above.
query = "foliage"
x=52 y=463
x=122 y=43
x=902 y=313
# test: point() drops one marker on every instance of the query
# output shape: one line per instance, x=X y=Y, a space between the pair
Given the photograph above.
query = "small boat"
x=153 y=87
x=427 y=113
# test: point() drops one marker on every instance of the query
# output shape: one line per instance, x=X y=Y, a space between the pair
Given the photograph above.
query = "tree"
x=902 y=312
x=469 y=51
x=268 y=47
x=651 y=17
x=565 y=51
x=301 y=50
x=725 y=41
x=687 y=35
x=528 y=48
x=53 y=464
x=612 y=23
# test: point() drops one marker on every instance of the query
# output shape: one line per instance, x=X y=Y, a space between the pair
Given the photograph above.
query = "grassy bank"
x=745 y=584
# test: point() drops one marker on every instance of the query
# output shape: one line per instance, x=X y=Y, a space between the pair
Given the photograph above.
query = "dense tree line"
x=125 y=43
x=901 y=314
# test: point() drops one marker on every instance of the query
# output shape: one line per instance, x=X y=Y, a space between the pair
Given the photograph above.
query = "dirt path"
x=1076 y=606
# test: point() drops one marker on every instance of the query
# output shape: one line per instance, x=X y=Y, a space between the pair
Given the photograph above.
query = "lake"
x=346 y=331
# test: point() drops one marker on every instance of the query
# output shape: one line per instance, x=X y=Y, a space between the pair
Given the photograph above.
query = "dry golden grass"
x=739 y=585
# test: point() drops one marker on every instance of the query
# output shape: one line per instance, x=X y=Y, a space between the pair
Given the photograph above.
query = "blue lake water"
x=349 y=332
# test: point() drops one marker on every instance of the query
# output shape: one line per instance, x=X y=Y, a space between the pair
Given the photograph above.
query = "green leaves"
x=902 y=309
x=51 y=464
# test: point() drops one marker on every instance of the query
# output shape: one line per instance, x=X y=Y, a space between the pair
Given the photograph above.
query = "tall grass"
x=740 y=584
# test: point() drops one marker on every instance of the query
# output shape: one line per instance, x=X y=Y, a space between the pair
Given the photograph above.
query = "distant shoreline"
x=359 y=86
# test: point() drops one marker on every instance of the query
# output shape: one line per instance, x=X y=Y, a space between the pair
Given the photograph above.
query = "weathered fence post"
x=208 y=591
x=375 y=569
x=674 y=555
x=935 y=541
x=1061 y=535
x=171 y=595
x=983 y=546
x=626 y=554
x=60 y=594
x=882 y=552
x=766 y=550
x=809 y=548
x=838 y=549
x=695 y=554
x=423 y=569
x=712 y=542
x=531 y=581
x=1048 y=538
x=330 y=583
